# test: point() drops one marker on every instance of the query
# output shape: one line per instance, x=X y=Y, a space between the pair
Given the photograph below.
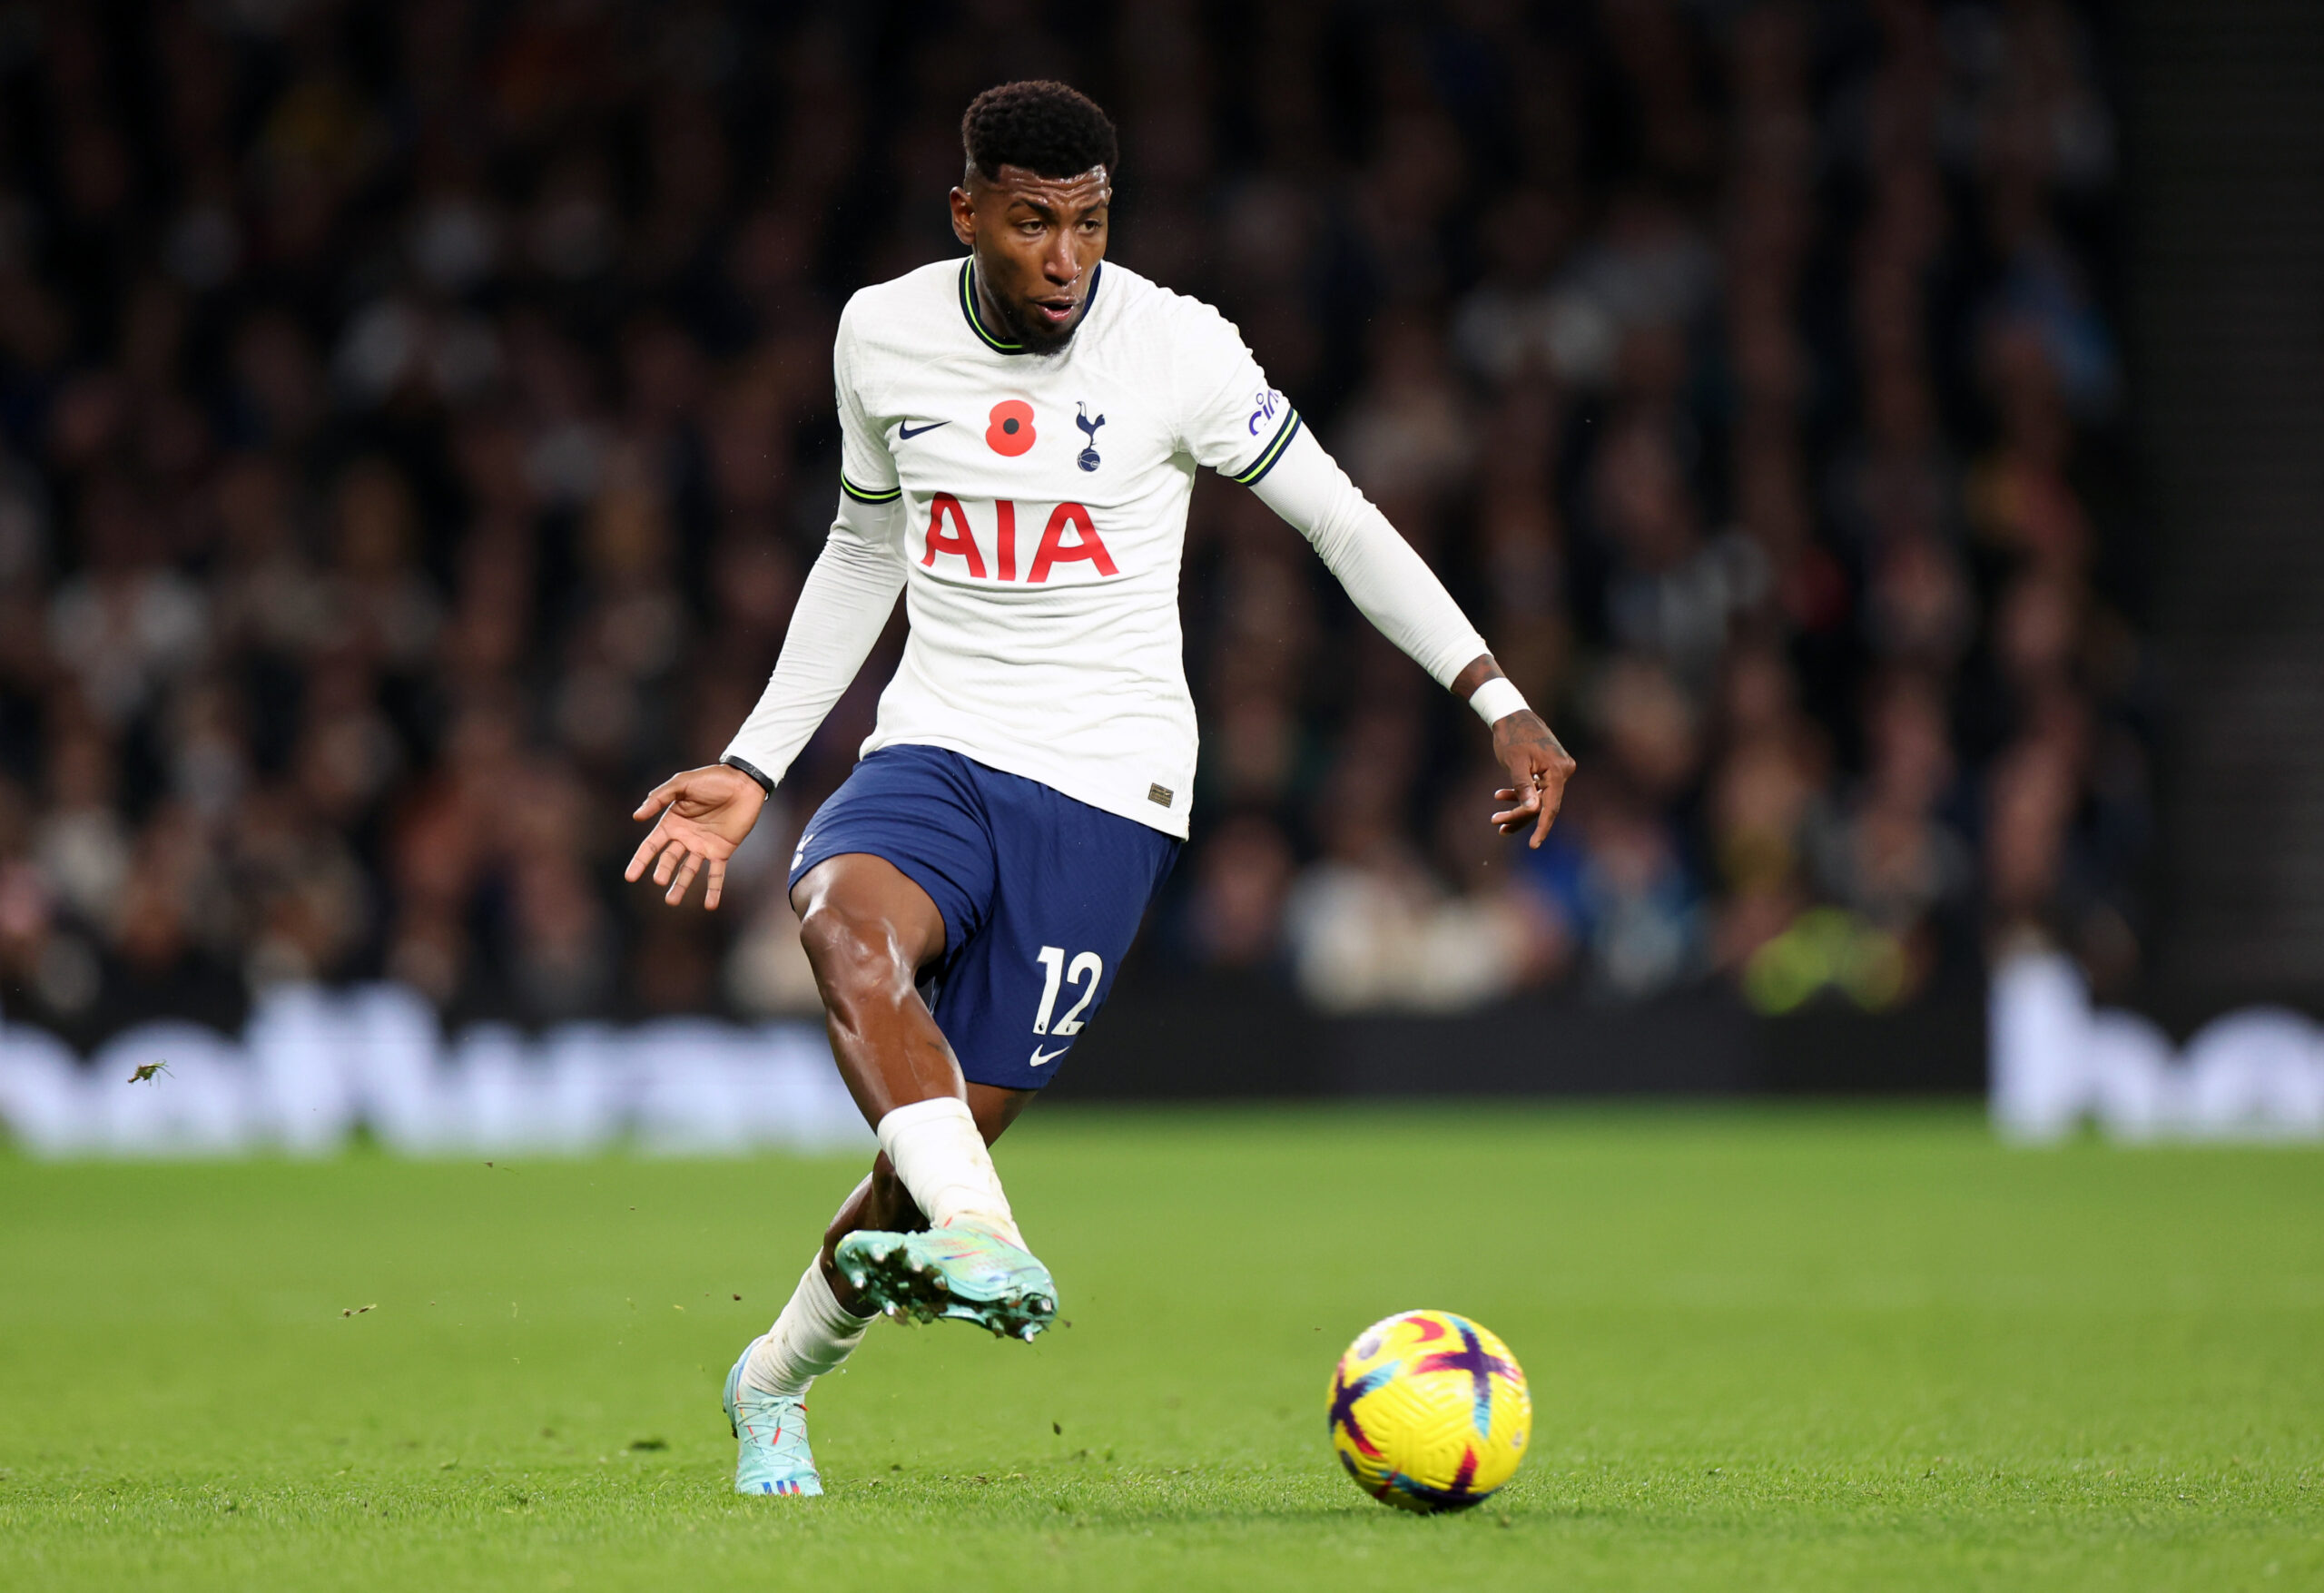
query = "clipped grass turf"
x=1795 y=1350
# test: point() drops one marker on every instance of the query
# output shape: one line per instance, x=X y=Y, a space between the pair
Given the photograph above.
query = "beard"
x=1036 y=336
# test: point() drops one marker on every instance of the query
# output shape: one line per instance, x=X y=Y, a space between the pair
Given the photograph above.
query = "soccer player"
x=1020 y=430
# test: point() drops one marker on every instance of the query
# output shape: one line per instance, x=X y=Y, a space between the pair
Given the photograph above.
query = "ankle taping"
x=941 y=1158
x=815 y=1333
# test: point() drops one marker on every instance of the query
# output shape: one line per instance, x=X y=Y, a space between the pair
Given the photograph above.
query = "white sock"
x=815 y=1333
x=942 y=1160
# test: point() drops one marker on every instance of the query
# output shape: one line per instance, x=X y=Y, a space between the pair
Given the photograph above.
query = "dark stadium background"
x=415 y=424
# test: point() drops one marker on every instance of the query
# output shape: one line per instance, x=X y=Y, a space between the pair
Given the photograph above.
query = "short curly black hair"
x=1050 y=129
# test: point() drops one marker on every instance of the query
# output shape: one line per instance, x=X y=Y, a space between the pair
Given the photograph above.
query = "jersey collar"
x=976 y=324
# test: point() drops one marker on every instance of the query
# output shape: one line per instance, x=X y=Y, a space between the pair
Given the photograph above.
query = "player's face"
x=1038 y=242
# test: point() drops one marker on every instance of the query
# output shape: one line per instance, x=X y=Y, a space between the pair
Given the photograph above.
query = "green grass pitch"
x=1768 y=1349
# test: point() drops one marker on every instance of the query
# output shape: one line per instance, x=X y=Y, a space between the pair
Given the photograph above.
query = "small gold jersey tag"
x=1159 y=795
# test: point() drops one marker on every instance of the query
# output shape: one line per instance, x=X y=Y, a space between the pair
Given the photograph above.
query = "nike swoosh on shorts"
x=1053 y=1056
x=906 y=432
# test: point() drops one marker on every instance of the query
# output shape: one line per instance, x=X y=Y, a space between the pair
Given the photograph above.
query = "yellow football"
x=1428 y=1412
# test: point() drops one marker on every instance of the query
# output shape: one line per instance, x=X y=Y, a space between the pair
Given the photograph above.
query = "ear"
x=964 y=217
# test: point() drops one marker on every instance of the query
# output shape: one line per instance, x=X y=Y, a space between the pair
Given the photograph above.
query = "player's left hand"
x=1538 y=770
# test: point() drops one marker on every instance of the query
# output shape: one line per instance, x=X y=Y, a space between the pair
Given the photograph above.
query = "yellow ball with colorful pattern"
x=1428 y=1412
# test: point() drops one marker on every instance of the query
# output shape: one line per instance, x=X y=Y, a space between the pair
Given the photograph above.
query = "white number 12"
x=1088 y=964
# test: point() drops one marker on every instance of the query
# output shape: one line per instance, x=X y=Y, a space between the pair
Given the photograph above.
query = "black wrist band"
x=765 y=784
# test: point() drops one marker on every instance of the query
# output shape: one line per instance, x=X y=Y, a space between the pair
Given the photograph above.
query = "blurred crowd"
x=416 y=421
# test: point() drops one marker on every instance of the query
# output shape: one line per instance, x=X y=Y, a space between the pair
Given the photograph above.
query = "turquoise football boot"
x=963 y=1272
x=771 y=1429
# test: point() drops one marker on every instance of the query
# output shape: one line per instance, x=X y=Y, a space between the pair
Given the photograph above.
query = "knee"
x=856 y=957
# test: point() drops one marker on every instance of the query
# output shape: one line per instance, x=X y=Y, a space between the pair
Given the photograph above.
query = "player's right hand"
x=705 y=813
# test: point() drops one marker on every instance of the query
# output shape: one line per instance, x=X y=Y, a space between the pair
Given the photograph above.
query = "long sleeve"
x=843 y=607
x=1232 y=421
x=1390 y=582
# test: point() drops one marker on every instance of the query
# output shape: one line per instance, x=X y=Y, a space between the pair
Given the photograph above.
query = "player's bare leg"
x=869 y=931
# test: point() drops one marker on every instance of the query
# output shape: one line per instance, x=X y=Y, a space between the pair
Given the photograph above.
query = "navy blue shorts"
x=1041 y=896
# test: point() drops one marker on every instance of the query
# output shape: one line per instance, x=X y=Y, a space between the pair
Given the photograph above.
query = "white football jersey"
x=1043 y=503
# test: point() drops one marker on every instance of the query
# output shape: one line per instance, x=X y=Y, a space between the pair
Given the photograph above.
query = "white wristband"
x=1497 y=699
